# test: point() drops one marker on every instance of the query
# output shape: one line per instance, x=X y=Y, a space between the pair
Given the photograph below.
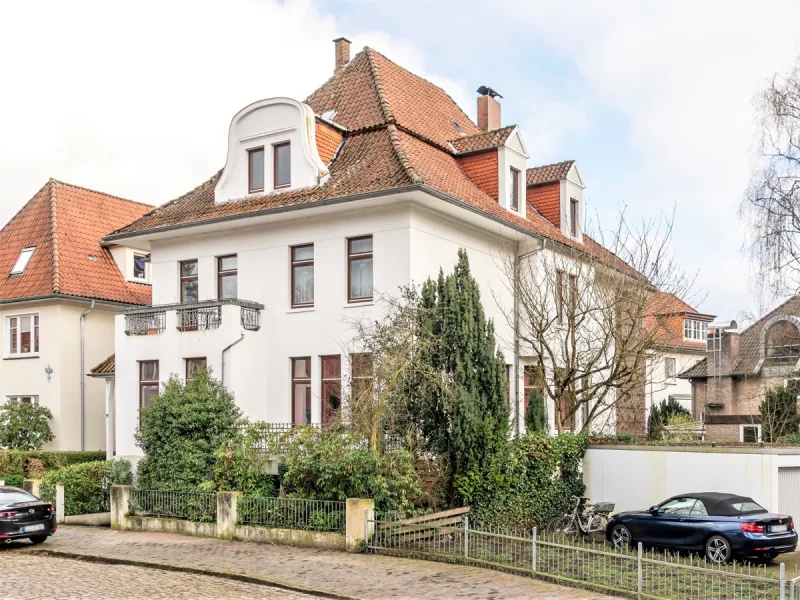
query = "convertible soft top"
x=721 y=505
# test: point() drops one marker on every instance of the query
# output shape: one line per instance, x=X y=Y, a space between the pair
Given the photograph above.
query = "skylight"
x=22 y=261
x=460 y=129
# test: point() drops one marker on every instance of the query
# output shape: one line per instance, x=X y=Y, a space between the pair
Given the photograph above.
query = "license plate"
x=29 y=528
x=778 y=528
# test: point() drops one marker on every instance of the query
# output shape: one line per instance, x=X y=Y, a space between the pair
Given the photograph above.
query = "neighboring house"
x=373 y=182
x=729 y=384
x=679 y=332
x=59 y=292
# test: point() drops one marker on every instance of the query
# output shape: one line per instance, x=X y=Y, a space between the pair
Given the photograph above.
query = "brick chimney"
x=488 y=109
x=342 y=52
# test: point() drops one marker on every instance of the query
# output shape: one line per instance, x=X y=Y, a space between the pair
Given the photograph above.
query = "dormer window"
x=22 y=261
x=139 y=271
x=695 y=330
x=573 y=217
x=282 y=164
x=255 y=177
x=513 y=191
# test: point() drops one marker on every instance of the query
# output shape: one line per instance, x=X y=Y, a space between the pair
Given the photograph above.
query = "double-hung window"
x=359 y=269
x=301 y=391
x=189 y=289
x=255 y=170
x=23 y=335
x=148 y=383
x=331 y=386
x=227 y=276
x=303 y=276
x=573 y=217
x=513 y=189
x=282 y=165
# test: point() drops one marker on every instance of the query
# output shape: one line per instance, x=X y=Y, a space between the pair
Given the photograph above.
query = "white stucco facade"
x=26 y=375
x=659 y=387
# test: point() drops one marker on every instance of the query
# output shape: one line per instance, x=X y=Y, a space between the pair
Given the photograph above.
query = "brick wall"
x=546 y=199
x=328 y=140
x=481 y=168
x=741 y=396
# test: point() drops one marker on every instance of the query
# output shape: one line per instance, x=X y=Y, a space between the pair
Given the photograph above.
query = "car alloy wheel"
x=718 y=550
x=621 y=537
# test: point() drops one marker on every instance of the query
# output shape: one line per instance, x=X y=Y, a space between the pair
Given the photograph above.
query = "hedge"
x=87 y=485
x=15 y=463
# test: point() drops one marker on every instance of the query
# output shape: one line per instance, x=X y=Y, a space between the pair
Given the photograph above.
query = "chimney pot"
x=342 y=52
x=488 y=109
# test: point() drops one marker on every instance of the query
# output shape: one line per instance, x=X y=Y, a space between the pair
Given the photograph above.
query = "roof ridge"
x=777 y=308
x=386 y=109
x=86 y=189
x=555 y=164
x=491 y=131
x=397 y=146
x=54 y=237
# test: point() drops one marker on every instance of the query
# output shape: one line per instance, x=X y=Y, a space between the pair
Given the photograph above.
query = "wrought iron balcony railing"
x=191 y=316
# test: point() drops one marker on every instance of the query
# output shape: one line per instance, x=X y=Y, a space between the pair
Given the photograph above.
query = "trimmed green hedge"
x=87 y=485
x=14 y=463
x=13 y=480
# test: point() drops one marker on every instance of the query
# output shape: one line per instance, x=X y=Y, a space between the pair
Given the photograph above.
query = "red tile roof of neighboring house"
x=397 y=129
x=482 y=141
x=665 y=314
x=107 y=367
x=65 y=224
x=548 y=173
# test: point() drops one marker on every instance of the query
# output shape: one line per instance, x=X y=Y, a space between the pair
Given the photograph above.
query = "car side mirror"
x=653 y=510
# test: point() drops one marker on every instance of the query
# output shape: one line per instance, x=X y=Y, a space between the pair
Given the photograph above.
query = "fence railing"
x=292 y=513
x=192 y=506
x=191 y=316
x=640 y=573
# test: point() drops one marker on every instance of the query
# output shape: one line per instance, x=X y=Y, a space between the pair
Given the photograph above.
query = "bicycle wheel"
x=561 y=527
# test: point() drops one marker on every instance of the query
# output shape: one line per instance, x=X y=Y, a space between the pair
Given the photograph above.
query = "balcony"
x=192 y=316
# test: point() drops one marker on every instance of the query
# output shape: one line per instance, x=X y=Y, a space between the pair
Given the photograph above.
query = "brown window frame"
x=562 y=406
x=302 y=381
x=182 y=278
x=514 y=189
x=531 y=382
x=327 y=383
x=250 y=188
x=573 y=217
x=187 y=361
x=227 y=273
x=359 y=256
x=560 y=295
x=275 y=147
x=299 y=263
x=146 y=383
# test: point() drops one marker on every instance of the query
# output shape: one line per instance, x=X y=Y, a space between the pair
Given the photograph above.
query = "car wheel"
x=621 y=537
x=718 y=550
x=38 y=539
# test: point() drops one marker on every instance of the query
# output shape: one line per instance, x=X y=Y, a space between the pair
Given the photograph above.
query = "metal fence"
x=192 y=506
x=639 y=573
x=148 y=323
x=292 y=513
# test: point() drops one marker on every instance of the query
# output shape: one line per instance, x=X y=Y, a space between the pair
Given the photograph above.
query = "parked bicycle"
x=584 y=519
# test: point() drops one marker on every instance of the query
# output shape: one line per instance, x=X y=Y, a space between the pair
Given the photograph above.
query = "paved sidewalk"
x=362 y=576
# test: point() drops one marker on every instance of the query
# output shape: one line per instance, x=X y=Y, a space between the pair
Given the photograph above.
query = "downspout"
x=83 y=375
x=224 y=350
x=516 y=330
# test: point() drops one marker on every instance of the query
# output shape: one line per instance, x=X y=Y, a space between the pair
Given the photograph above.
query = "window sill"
x=21 y=356
x=301 y=309
x=357 y=304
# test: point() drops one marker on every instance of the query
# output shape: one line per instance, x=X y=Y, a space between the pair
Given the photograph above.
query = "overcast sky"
x=653 y=99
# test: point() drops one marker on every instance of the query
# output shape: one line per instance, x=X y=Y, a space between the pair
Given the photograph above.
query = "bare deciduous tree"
x=772 y=201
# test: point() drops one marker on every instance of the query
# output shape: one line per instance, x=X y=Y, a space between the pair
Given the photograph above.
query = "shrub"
x=24 y=426
x=660 y=416
x=536 y=415
x=182 y=430
x=87 y=485
x=13 y=480
x=23 y=464
x=533 y=483
x=241 y=465
x=338 y=465
x=779 y=416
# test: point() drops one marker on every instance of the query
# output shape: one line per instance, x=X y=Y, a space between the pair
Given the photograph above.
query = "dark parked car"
x=23 y=515
x=722 y=526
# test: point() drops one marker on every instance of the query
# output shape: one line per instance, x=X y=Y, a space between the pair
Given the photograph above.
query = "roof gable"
x=65 y=224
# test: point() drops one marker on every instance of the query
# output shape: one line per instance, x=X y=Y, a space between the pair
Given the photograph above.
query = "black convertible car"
x=722 y=526
x=25 y=516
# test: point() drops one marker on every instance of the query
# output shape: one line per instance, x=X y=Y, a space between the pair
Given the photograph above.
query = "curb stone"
x=274 y=583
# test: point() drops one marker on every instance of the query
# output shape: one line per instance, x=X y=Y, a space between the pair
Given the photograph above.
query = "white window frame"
x=741 y=430
x=697 y=330
x=34 y=398
x=7 y=331
x=23 y=259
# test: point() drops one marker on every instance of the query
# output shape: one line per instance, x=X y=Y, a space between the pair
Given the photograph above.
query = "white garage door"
x=789 y=491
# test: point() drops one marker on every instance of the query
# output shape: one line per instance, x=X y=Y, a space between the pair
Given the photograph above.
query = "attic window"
x=22 y=261
x=138 y=267
x=460 y=129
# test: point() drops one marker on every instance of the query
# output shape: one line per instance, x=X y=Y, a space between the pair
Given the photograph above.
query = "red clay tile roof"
x=482 y=141
x=665 y=316
x=65 y=224
x=548 y=173
x=107 y=367
x=663 y=303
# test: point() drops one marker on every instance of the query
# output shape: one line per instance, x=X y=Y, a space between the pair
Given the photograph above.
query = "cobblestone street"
x=28 y=577
x=362 y=576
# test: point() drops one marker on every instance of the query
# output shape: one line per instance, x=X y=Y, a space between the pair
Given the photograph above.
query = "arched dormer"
x=781 y=338
x=271 y=148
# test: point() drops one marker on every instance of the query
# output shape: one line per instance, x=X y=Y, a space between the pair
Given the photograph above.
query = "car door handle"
x=683 y=520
